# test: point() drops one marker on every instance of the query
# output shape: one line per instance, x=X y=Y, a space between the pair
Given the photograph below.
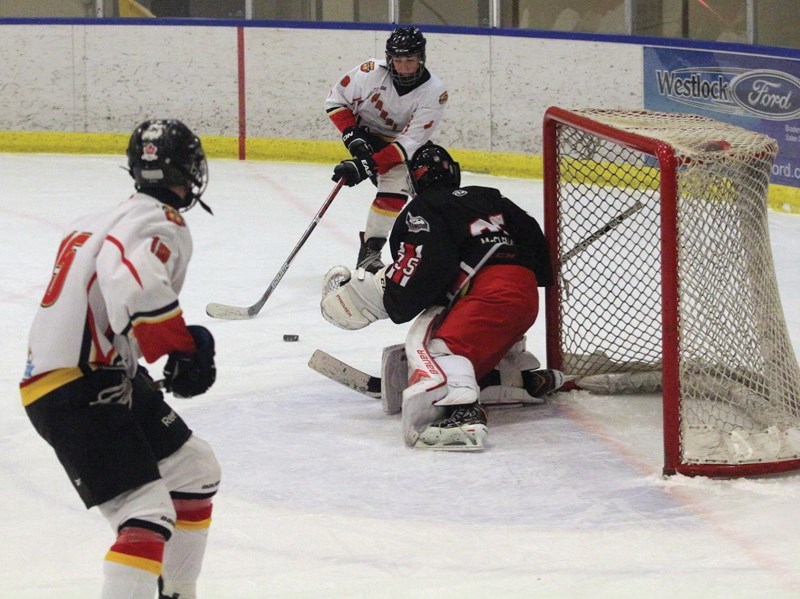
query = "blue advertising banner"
x=759 y=93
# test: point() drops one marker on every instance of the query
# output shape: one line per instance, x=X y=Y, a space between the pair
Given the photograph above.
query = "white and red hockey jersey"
x=367 y=97
x=113 y=295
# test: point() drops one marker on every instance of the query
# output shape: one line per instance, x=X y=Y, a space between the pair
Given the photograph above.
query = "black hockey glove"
x=358 y=141
x=354 y=171
x=187 y=375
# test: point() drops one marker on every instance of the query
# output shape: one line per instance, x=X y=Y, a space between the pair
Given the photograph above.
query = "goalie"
x=466 y=264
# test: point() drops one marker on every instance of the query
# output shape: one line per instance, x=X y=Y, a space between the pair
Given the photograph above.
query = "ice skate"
x=369 y=255
x=463 y=430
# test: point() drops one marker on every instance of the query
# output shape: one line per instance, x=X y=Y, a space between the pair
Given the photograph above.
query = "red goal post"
x=657 y=224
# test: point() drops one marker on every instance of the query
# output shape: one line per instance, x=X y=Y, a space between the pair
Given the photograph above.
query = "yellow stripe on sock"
x=142 y=563
x=192 y=525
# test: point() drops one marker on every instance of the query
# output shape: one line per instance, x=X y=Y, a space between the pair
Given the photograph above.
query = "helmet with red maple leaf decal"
x=165 y=153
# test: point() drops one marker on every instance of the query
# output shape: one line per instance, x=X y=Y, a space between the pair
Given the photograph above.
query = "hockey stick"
x=609 y=226
x=344 y=374
x=366 y=384
x=241 y=313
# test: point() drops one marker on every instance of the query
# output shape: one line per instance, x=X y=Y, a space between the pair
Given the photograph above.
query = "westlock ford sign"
x=762 y=93
x=759 y=93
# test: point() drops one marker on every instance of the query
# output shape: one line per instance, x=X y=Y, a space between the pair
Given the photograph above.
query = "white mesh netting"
x=739 y=378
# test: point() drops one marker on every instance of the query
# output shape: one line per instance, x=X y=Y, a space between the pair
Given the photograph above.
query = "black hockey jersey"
x=444 y=227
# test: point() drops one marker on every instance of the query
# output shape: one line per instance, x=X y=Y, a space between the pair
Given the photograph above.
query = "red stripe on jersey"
x=129 y=265
x=158 y=339
x=388 y=157
x=343 y=118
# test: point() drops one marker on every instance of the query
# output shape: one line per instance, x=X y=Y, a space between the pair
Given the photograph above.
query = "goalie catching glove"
x=187 y=375
x=353 y=299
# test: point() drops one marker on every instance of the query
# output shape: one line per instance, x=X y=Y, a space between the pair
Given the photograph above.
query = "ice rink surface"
x=320 y=498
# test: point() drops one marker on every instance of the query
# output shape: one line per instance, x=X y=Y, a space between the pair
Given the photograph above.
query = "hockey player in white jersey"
x=386 y=110
x=113 y=298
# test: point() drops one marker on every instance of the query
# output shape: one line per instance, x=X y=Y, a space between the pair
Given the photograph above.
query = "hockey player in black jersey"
x=113 y=299
x=467 y=262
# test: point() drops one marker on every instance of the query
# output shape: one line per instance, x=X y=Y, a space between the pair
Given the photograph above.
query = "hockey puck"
x=291 y=337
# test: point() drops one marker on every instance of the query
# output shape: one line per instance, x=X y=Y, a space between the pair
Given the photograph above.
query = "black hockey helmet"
x=433 y=165
x=164 y=153
x=406 y=41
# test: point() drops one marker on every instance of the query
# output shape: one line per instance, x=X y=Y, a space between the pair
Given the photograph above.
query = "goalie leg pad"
x=462 y=388
x=536 y=385
x=419 y=410
x=394 y=377
x=427 y=383
x=514 y=362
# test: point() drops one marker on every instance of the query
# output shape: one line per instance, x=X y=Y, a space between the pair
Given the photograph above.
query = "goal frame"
x=668 y=164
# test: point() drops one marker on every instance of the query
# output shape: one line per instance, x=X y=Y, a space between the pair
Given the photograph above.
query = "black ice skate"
x=369 y=255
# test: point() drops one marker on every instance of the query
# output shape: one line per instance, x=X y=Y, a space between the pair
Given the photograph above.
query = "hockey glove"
x=358 y=142
x=354 y=171
x=187 y=375
x=352 y=300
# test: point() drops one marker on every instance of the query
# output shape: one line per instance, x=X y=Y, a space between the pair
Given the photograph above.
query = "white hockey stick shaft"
x=609 y=226
x=241 y=313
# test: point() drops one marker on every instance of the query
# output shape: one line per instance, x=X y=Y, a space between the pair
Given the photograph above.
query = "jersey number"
x=64 y=259
x=408 y=257
x=496 y=224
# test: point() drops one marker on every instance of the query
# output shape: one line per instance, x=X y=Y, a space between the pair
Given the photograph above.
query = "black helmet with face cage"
x=433 y=165
x=406 y=41
x=164 y=153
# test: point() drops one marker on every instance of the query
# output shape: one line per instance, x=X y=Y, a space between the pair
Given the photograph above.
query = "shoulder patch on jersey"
x=173 y=215
x=160 y=250
x=368 y=66
x=443 y=98
x=416 y=224
x=345 y=81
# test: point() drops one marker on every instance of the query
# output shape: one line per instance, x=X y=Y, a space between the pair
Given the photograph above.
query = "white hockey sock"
x=133 y=564
x=183 y=555
x=378 y=225
x=124 y=582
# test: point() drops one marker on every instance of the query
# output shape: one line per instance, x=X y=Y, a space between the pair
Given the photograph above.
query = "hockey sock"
x=133 y=564
x=183 y=555
x=384 y=209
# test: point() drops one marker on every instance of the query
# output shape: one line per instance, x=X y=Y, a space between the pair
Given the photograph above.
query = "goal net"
x=665 y=283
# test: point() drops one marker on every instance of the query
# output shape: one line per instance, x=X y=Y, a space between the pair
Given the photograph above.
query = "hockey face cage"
x=406 y=41
x=164 y=153
x=658 y=230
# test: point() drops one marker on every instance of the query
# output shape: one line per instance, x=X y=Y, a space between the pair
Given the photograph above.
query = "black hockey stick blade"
x=344 y=374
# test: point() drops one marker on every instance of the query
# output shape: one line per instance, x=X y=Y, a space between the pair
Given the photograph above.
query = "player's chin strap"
x=205 y=206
